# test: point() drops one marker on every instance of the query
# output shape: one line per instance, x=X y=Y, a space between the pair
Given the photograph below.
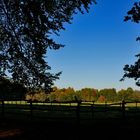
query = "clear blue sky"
x=97 y=46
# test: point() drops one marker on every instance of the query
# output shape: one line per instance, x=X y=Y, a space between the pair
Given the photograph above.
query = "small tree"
x=109 y=94
x=125 y=95
x=101 y=99
x=136 y=96
x=88 y=94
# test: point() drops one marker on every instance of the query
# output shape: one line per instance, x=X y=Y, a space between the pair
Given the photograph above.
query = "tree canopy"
x=85 y=95
x=133 y=71
x=26 y=27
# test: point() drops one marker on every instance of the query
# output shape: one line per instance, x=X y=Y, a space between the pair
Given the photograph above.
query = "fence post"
x=105 y=105
x=3 y=111
x=78 y=112
x=123 y=110
x=51 y=106
x=136 y=105
x=92 y=109
x=31 y=109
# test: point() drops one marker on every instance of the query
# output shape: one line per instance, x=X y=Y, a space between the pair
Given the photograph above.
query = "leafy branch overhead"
x=26 y=27
x=134 y=13
x=133 y=71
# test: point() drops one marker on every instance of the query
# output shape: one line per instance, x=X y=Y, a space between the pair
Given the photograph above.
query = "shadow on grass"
x=17 y=129
x=106 y=124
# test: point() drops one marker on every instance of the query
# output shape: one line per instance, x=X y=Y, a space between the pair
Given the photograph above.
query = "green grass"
x=88 y=111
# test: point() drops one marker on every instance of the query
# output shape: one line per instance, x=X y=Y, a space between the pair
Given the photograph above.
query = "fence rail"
x=76 y=109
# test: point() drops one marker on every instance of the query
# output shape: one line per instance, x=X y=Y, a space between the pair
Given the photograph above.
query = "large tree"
x=26 y=27
x=133 y=71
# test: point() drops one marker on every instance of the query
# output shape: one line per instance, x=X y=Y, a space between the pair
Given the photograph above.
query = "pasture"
x=69 y=110
x=69 y=121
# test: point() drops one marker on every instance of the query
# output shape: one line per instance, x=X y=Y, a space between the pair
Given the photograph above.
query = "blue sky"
x=97 y=46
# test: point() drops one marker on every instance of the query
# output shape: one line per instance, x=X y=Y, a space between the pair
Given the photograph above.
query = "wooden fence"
x=76 y=107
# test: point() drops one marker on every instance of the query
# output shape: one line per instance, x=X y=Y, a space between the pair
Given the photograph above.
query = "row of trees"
x=11 y=90
x=86 y=94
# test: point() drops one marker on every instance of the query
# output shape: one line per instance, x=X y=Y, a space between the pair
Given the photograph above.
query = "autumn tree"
x=101 y=99
x=26 y=29
x=125 y=95
x=136 y=96
x=88 y=94
x=109 y=94
x=67 y=94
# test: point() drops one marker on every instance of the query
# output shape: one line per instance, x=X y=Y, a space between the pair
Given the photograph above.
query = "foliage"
x=88 y=94
x=135 y=96
x=125 y=95
x=26 y=27
x=101 y=99
x=70 y=94
x=109 y=94
x=133 y=71
x=37 y=96
x=62 y=95
x=5 y=85
x=134 y=13
x=85 y=94
x=11 y=90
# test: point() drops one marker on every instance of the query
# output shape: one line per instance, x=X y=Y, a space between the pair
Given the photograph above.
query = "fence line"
x=77 y=107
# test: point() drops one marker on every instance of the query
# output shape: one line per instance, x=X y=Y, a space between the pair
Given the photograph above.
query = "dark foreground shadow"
x=64 y=130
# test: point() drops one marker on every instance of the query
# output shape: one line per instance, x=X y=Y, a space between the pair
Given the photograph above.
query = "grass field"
x=59 y=121
x=86 y=110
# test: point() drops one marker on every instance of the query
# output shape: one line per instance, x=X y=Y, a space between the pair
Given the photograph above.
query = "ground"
x=16 y=129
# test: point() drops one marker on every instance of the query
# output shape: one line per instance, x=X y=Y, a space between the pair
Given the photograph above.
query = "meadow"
x=69 y=121
x=70 y=110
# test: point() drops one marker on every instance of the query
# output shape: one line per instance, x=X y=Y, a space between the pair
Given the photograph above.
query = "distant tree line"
x=86 y=94
x=10 y=90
